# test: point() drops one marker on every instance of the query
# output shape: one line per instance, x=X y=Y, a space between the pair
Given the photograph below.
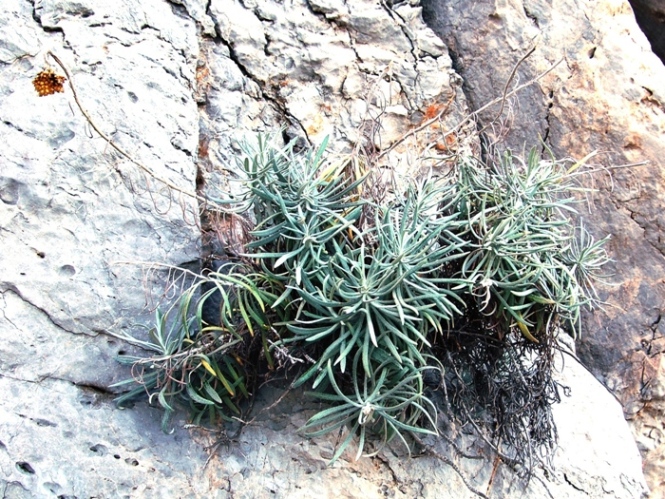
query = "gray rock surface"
x=607 y=95
x=178 y=85
x=68 y=440
x=72 y=210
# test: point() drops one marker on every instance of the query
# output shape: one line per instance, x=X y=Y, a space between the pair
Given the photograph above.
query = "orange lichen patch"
x=202 y=74
x=315 y=126
x=48 y=83
x=632 y=141
x=446 y=144
x=432 y=111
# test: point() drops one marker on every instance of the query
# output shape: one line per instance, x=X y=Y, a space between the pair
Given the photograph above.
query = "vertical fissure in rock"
x=278 y=104
x=532 y=16
x=212 y=250
x=401 y=22
x=180 y=10
x=546 y=133
x=202 y=160
x=35 y=16
x=433 y=17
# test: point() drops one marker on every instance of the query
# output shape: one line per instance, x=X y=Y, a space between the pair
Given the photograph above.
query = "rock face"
x=68 y=440
x=650 y=15
x=607 y=95
x=177 y=86
x=72 y=210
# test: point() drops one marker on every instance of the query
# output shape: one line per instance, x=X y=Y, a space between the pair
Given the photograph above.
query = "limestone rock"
x=607 y=95
x=321 y=69
x=609 y=446
x=178 y=85
x=72 y=211
x=114 y=453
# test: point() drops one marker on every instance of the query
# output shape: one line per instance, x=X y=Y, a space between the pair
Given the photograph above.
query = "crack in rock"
x=11 y=288
x=278 y=103
x=573 y=485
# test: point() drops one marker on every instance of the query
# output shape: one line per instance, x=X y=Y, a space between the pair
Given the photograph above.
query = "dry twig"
x=110 y=141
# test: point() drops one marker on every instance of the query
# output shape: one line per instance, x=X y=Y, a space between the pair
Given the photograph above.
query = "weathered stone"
x=72 y=212
x=607 y=95
x=178 y=86
x=113 y=453
x=609 y=447
x=314 y=60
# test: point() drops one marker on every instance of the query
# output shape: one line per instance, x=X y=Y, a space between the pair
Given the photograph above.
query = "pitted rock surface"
x=178 y=85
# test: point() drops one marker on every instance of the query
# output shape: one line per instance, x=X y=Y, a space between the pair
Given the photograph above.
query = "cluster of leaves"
x=201 y=361
x=525 y=263
x=466 y=274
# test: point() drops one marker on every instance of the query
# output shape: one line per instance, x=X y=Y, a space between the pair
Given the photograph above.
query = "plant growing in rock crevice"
x=201 y=364
x=467 y=274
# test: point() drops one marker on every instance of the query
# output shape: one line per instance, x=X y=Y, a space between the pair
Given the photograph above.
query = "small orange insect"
x=48 y=83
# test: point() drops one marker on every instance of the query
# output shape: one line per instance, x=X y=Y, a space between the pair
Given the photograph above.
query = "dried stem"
x=476 y=112
x=110 y=141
